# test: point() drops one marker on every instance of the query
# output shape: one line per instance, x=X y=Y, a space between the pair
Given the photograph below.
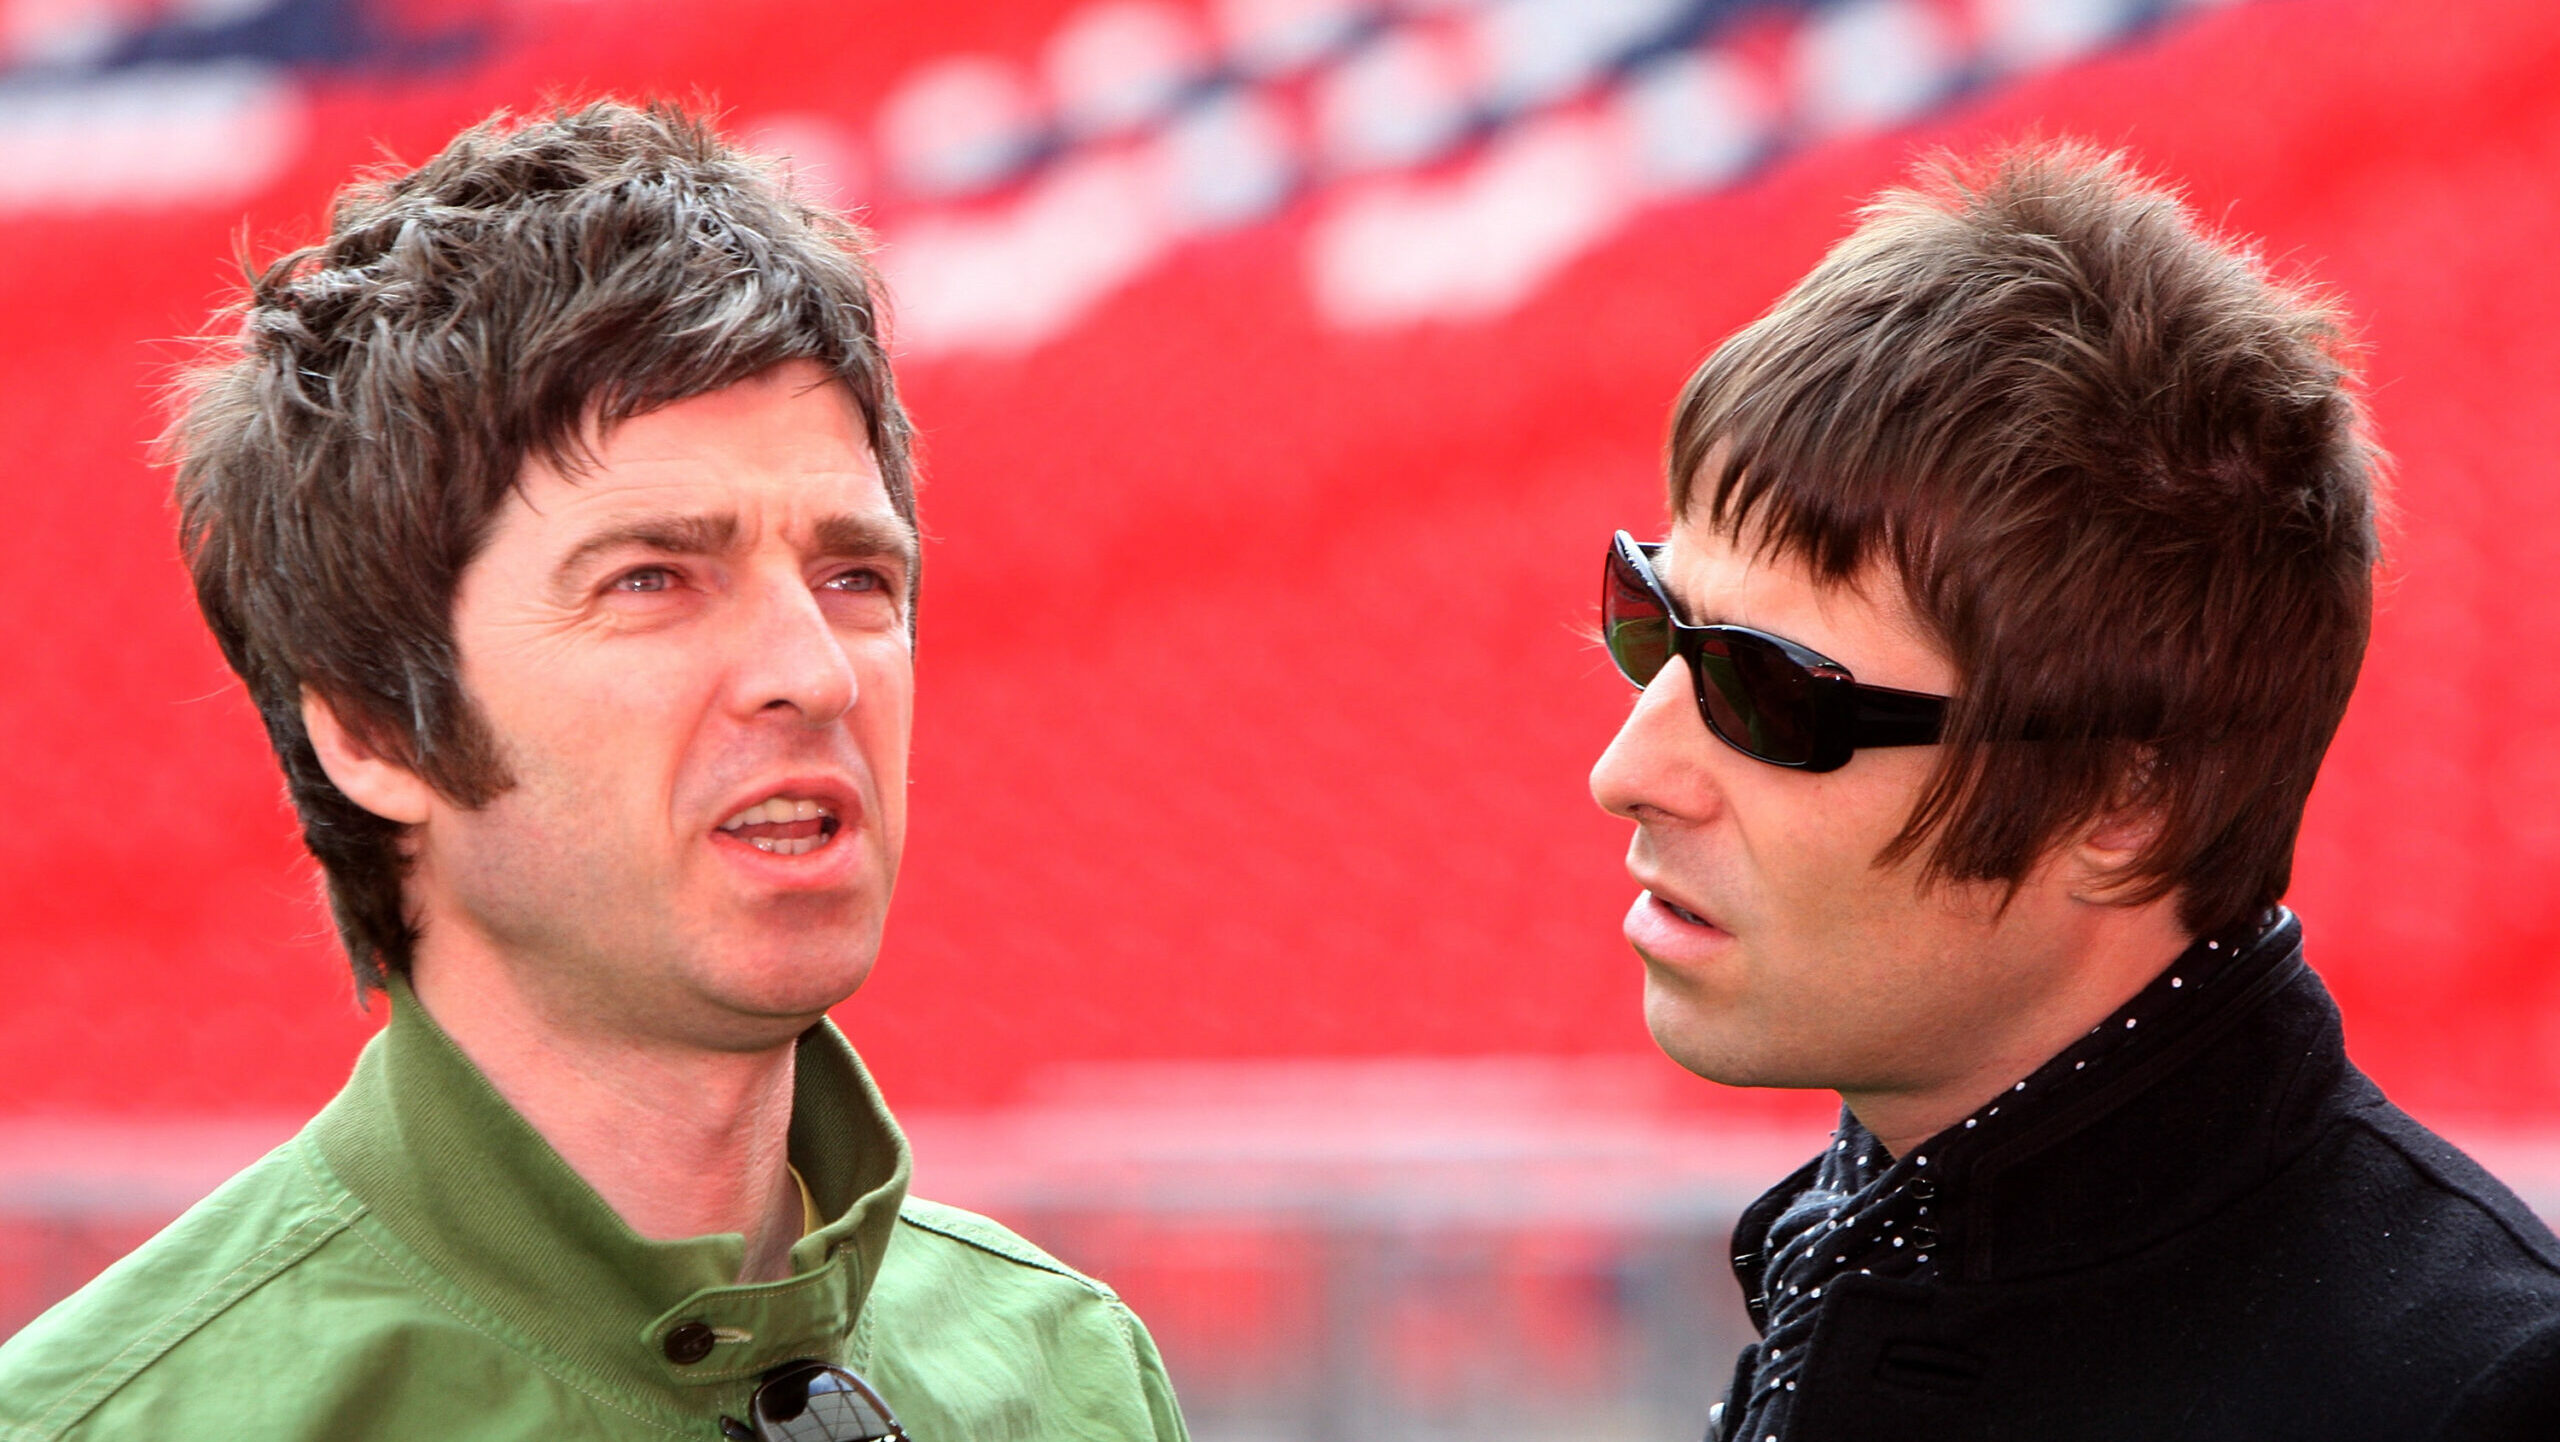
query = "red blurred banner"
x=1282 y=368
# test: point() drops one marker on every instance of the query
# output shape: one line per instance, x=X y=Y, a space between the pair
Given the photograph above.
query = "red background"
x=1253 y=717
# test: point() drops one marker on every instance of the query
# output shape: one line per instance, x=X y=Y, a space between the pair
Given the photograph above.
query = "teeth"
x=777 y=808
x=1682 y=912
x=800 y=847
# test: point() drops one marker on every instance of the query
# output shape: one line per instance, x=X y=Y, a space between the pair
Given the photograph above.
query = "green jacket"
x=418 y=1263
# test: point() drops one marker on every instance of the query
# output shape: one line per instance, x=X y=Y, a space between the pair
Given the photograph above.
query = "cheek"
x=567 y=694
x=1798 y=829
x=1863 y=806
x=573 y=686
x=1813 y=843
x=596 y=751
x=884 y=720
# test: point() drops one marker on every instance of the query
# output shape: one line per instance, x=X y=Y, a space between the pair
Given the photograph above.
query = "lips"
x=787 y=821
x=1682 y=912
x=1676 y=935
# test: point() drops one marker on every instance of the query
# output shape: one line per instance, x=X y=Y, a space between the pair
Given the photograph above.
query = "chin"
x=794 y=978
x=806 y=987
x=1714 y=1043
x=1688 y=1039
x=1707 y=1064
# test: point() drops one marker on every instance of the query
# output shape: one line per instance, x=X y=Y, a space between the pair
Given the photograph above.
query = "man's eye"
x=645 y=579
x=864 y=579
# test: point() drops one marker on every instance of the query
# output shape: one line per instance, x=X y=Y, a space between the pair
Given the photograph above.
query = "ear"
x=370 y=779
x=2112 y=839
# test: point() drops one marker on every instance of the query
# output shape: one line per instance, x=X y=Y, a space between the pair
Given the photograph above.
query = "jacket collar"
x=465 y=1183
x=2203 y=1115
x=2217 y=1106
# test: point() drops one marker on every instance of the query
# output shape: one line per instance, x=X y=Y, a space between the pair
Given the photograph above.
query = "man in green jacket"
x=557 y=512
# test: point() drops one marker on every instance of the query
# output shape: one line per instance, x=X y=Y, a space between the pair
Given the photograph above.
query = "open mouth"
x=1682 y=912
x=784 y=825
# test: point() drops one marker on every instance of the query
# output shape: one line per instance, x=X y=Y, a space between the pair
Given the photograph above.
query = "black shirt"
x=2198 y=1222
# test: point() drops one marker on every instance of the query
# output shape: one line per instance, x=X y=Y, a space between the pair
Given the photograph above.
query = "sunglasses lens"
x=820 y=1404
x=1634 y=623
x=1757 y=699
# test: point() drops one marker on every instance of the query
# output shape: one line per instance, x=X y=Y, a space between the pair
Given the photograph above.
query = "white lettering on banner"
x=2030 y=34
x=962 y=124
x=148 y=137
x=1871 y=64
x=1122 y=64
x=1450 y=156
x=1013 y=278
x=1475 y=244
x=1697 y=120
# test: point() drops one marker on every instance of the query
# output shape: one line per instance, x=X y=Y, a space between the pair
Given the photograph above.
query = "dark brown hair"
x=2121 y=473
x=341 y=454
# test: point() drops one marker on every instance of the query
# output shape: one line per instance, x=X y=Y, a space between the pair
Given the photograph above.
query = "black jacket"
x=2240 y=1238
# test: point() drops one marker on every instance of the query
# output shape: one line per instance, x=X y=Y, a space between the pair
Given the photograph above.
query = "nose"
x=1656 y=766
x=791 y=662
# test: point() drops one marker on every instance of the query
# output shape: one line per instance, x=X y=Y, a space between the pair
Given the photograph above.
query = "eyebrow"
x=850 y=536
x=867 y=537
x=672 y=535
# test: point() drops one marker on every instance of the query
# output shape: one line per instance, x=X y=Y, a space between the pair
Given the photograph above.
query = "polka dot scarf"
x=1869 y=1213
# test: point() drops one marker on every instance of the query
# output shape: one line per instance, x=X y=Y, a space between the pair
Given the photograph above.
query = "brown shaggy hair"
x=2123 y=476
x=341 y=454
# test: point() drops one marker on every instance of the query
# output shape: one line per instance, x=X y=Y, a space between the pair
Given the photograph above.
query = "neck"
x=2116 y=955
x=681 y=1141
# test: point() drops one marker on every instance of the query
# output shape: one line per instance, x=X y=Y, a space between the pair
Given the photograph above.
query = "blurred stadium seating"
x=1282 y=365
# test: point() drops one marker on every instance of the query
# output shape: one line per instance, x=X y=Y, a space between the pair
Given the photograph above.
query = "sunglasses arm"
x=1886 y=717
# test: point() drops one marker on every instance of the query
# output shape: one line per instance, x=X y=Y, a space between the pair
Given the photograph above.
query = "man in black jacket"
x=2020 y=569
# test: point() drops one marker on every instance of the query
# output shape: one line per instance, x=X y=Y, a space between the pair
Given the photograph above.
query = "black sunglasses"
x=1763 y=695
x=812 y=1401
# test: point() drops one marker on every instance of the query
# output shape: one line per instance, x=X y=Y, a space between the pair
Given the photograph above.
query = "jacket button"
x=688 y=1343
